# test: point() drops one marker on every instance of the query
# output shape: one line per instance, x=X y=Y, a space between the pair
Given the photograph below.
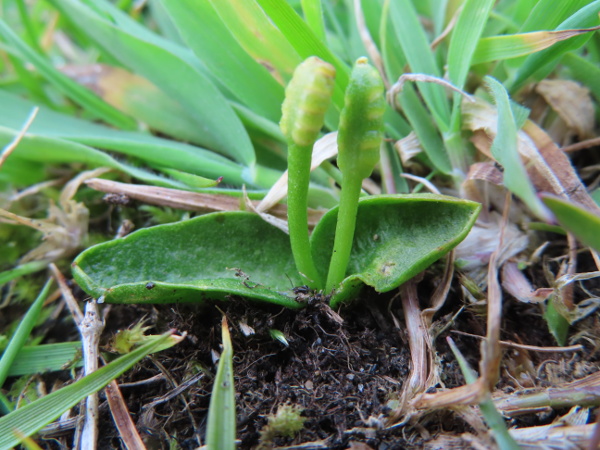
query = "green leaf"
x=32 y=417
x=301 y=37
x=22 y=333
x=204 y=32
x=220 y=430
x=74 y=91
x=542 y=61
x=23 y=269
x=210 y=256
x=153 y=150
x=396 y=237
x=505 y=151
x=171 y=68
x=220 y=254
x=420 y=57
x=579 y=221
x=47 y=357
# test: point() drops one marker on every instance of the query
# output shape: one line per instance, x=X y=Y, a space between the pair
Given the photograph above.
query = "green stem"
x=298 y=178
x=344 y=231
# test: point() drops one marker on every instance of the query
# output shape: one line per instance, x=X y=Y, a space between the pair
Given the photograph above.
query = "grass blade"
x=313 y=15
x=204 y=32
x=465 y=36
x=22 y=333
x=420 y=57
x=74 y=91
x=545 y=60
x=30 y=418
x=220 y=431
x=23 y=269
x=582 y=223
x=504 y=149
x=301 y=37
x=173 y=69
x=46 y=358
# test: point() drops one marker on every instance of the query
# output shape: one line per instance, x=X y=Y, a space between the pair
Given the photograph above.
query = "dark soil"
x=344 y=371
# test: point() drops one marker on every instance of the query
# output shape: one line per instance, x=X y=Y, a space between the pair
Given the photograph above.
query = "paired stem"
x=299 y=158
x=344 y=231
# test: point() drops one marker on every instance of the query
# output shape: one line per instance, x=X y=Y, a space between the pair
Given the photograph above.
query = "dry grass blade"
x=118 y=407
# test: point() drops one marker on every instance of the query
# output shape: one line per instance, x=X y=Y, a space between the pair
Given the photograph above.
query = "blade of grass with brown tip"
x=543 y=62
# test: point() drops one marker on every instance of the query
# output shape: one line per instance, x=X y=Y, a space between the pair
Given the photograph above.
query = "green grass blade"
x=153 y=150
x=421 y=59
x=204 y=32
x=46 y=358
x=22 y=333
x=492 y=416
x=542 y=62
x=171 y=68
x=304 y=41
x=497 y=48
x=74 y=91
x=259 y=36
x=313 y=15
x=584 y=71
x=505 y=151
x=23 y=269
x=547 y=14
x=34 y=416
x=466 y=34
x=220 y=431
x=579 y=221
x=40 y=150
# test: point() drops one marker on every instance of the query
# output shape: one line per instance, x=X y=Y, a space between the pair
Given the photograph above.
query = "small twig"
x=90 y=328
x=581 y=145
x=15 y=142
x=533 y=348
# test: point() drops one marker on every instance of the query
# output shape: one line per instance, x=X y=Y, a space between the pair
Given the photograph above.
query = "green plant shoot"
x=307 y=98
x=359 y=139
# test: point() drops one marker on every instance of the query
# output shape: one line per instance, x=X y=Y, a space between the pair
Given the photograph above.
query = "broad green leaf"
x=153 y=150
x=396 y=237
x=584 y=71
x=420 y=57
x=219 y=254
x=505 y=151
x=74 y=91
x=210 y=256
x=172 y=69
x=47 y=357
x=30 y=418
x=301 y=37
x=579 y=221
x=22 y=333
x=202 y=29
x=220 y=430
x=542 y=61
